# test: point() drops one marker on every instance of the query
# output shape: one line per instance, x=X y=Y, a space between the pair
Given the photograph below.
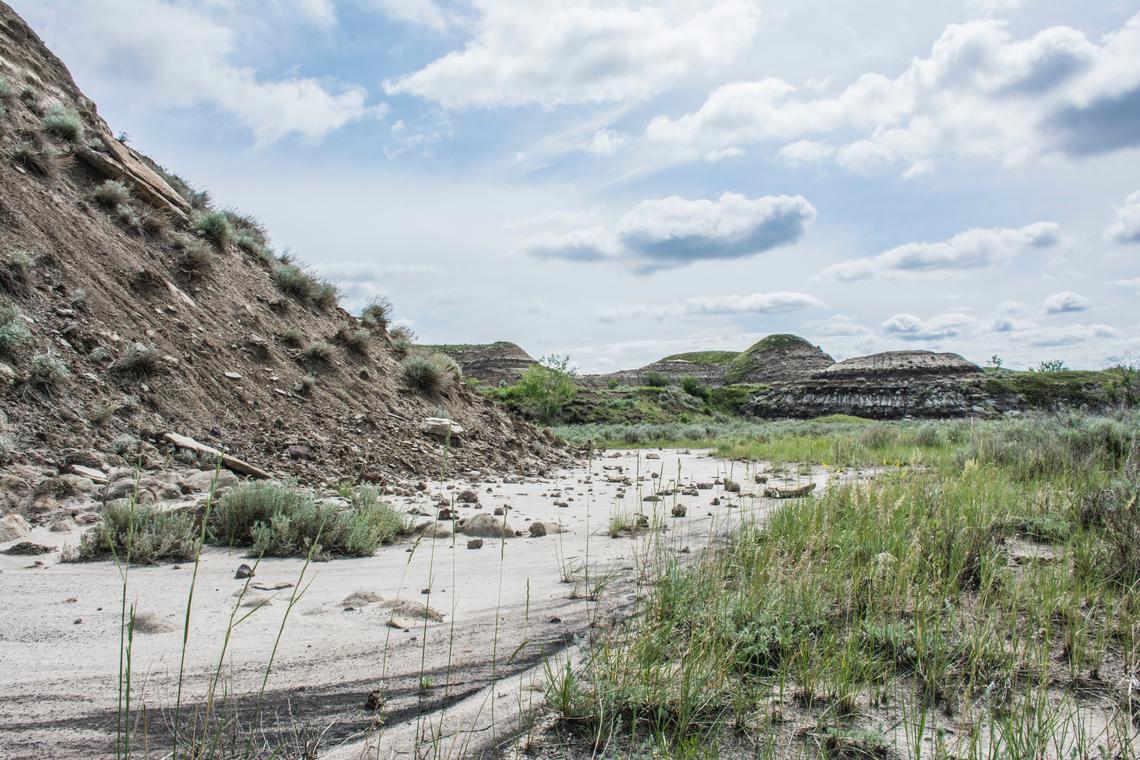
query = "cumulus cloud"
x=980 y=93
x=972 y=249
x=1126 y=227
x=756 y=303
x=912 y=328
x=839 y=326
x=555 y=53
x=1065 y=301
x=805 y=152
x=671 y=232
x=178 y=56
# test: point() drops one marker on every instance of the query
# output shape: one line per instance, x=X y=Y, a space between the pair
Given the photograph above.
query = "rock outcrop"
x=890 y=385
x=499 y=363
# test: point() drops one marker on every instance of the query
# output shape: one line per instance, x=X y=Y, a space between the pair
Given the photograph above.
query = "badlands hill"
x=131 y=308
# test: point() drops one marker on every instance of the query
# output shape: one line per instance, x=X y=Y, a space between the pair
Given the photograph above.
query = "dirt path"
x=448 y=686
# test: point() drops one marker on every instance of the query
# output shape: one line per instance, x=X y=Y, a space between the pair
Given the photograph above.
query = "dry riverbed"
x=361 y=669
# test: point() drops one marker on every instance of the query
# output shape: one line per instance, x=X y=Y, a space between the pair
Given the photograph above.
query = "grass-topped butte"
x=750 y=358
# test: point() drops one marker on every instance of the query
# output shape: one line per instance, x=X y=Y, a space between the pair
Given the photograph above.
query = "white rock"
x=12 y=527
x=440 y=427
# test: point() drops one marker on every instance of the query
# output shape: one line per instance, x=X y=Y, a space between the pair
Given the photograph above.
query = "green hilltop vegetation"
x=750 y=358
x=703 y=357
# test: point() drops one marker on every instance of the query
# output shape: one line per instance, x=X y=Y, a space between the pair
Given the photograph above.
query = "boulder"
x=485 y=526
x=12 y=527
x=441 y=428
x=537 y=529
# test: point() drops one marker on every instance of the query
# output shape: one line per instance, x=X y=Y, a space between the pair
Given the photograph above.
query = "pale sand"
x=499 y=603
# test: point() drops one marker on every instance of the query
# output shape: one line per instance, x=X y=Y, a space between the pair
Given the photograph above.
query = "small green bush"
x=294 y=281
x=111 y=194
x=144 y=534
x=14 y=330
x=63 y=124
x=6 y=90
x=305 y=385
x=355 y=341
x=138 y=361
x=377 y=314
x=326 y=294
x=694 y=388
x=546 y=388
x=215 y=227
x=48 y=370
x=278 y=520
x=129 y=218
x=656 y=380
x=292 y=337
x=317 y=352
x=431 y=374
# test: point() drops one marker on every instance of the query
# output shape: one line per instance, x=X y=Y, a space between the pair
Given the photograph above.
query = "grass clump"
x=215 y=227
x=14 y=331
x=292 y=337
x=316 y=352
x=48 y=370
x=431 y=374
x=403 y=340
x=282 y=521
x=138 y=361
x=355 y=341
x=377 y=314
x=63 y=124
x=325 y=294
x=111 y=194
x=145 y=535
x=294 y=281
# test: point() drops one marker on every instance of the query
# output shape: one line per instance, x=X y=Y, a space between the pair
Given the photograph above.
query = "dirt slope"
x=90 y=280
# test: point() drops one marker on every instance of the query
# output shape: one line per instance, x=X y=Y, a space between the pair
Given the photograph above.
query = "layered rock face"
x=890 y=385
x=500 y=363
x=672 y=369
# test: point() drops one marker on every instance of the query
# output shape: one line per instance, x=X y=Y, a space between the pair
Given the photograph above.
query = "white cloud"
x=756 y=303
x=671 y=232
x=972 y=249
x=805 y=152
x=912 y=328
x=1069 y=335
x=839 y=326
x=419 y=12
x=175 y=56
x=1126 y=227
x=980 y=93
x=1133 y=283
x=320 y=12
x=554 y=53
x=1066 y=301
x=605 y=142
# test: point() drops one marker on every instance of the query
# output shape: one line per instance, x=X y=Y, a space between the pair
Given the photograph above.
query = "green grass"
x=154 y=535
x=703 y=357
x=431 y=374
x=14 y=331
x=282 y=521
x=63 y=124
x=748 y=359
x=896 y=611
x=215 y=227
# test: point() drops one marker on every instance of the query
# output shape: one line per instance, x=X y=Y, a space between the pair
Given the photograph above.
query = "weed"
x=14 y=331
x=154 y=535
x=41 y=159
x=215 y=227
x=111 y=194
x=294 y=281
x=429 y=374
x=63 y=124
x=377 y=314
x=292 y=337
x=277 y=520
x=48 y=370
x=326 y=294
x=138 y=361
x=305 y=385
x=355 y=341
x=316 y=352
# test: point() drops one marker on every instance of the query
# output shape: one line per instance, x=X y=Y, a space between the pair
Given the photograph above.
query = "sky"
x=620 y=181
